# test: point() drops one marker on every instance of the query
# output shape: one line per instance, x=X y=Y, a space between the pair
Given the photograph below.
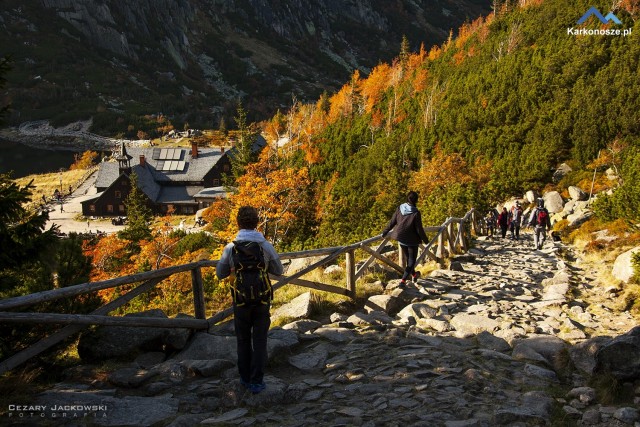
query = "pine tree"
x=243 y=152
x=138 y=214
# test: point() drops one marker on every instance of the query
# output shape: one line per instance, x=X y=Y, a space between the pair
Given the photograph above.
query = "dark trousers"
x=252 y=325
x=410 y=255
x=503 y=230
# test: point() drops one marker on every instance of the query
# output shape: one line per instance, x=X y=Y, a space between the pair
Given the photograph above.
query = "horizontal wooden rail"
x=89 y=319
x=76 y=322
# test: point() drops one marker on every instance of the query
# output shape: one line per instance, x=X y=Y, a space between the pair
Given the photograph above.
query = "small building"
x=173 y=179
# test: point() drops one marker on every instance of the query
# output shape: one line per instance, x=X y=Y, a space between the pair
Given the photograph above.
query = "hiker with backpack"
x=541 y=221
x=516 y=220
x=248 y=260
x=406 y=227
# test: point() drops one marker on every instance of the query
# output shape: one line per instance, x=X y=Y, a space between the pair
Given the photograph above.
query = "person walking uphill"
x=406 y=227
x=248 y=260
x=503 y=222
x=541 y=222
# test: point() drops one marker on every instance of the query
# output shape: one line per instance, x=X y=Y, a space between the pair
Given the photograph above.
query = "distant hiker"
x=503 y=222
x=541 y=222
x=61 y=208
x=490 y=219
x=406 y=224
x=70 y=190
x=516 y=220
x=248 y=260
x=44 y=199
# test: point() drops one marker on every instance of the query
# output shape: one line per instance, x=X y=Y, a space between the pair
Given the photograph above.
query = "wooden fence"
x=449 y=238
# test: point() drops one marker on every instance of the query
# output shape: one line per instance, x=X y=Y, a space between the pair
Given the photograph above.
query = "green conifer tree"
x=138 y=214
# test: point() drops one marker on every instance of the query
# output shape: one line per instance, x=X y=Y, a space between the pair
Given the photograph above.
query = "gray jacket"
x=225 y=265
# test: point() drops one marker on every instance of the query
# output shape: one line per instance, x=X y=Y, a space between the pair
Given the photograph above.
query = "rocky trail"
x=506 y=336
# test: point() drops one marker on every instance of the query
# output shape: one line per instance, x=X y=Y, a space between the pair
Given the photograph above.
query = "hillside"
x=485 y=115
x=192 y=60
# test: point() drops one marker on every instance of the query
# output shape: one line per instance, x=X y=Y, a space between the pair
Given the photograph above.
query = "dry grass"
x=47 y=183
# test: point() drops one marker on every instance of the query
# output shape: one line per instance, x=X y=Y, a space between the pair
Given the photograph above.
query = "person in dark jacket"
x=406 y=227
x=503 y=222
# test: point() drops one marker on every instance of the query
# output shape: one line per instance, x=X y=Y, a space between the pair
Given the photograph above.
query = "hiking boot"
x=416 y=276
x=402 y=285
x=257 y=388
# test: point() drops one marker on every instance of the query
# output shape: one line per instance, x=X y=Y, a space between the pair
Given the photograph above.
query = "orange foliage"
x=341 y=103
x=372 y=88
x=277 y=193
x=458 y=57
x=420 y=80
x=435 y=53
x=440 y=171
x=85 y=161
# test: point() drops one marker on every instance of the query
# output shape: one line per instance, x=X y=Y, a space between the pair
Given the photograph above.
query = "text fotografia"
x=57 y=411
x=594 y=14
x=599 y=32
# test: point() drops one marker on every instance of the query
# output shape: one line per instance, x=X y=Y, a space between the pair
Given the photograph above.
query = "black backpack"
x=252 y=285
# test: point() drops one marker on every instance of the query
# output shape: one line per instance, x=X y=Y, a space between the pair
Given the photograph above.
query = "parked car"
x=119 y=220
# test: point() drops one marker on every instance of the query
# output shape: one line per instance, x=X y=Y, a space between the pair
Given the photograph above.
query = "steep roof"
x=179 y=167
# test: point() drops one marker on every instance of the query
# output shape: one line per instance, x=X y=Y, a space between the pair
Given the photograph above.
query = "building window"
x=121 y=208
x=92 y=208
x=225 y=167
x=118 y=195
x=123 y=182
x=188 y=210
x=109 y=208
x=216 y=182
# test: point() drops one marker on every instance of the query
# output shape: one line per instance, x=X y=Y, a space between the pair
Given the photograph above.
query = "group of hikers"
x=513 y=219
x=250 y=258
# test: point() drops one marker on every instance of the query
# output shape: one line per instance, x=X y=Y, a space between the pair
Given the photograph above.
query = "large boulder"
x=553 y=201
x=621 y=356
x=561 y=172
x=531 y=196
x=108 y=342
x=471 y=324
x=297 y=308
x=576 y=193
x=622 y=267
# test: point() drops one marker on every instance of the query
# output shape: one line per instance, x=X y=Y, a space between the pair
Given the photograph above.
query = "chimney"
x=143 y=161
x=194 y=150
x=222 y=149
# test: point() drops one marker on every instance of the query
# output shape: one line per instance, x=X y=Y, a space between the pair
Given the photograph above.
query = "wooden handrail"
x=150 y=279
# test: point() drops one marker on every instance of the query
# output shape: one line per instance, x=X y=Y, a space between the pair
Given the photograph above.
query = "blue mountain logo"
x=610 y=17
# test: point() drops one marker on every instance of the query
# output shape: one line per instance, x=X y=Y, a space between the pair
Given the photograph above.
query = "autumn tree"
x=280 y=194
x=85 y=161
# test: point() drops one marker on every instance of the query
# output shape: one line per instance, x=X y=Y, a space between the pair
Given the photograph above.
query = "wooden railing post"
x=351 y=273
x=198 y=293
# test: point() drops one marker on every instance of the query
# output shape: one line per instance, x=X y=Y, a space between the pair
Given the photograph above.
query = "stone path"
x=499 y=342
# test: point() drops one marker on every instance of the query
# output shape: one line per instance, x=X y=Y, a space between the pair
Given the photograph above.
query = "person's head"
x=518 y=203
x=247 y=218
x=504 y=209
x=540 y=202
x=412 y=197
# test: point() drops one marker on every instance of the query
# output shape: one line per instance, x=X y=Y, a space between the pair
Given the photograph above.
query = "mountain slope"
x=193 y=59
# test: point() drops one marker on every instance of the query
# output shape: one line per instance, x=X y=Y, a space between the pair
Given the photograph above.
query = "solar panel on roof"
x=163 y=154
x=160 y=165
x=156 y=154
x=177 y=153
x=180 y=166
